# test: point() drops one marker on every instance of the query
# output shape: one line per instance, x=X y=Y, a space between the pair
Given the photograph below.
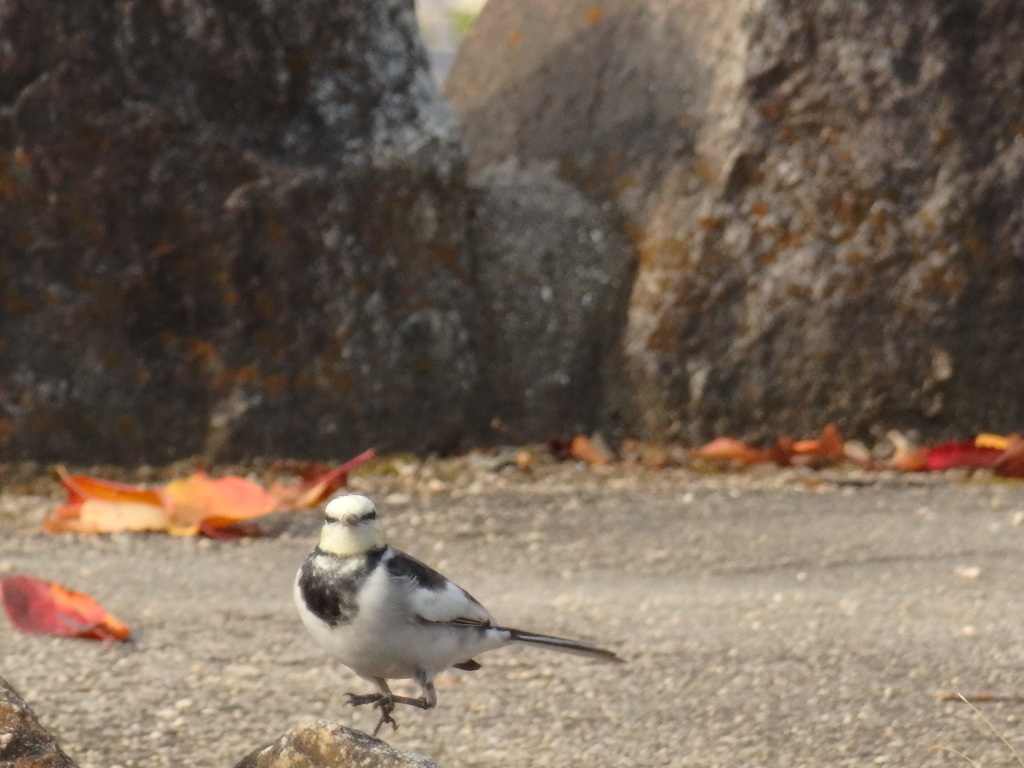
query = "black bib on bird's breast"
x=331 y=594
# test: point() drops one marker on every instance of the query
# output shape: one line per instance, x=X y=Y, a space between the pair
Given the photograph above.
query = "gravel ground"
x=770 y=618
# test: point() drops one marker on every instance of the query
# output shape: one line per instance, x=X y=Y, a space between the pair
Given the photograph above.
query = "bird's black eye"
x=352 y=520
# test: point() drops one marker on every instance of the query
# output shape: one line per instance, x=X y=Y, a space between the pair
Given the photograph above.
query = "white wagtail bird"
x=387 y=616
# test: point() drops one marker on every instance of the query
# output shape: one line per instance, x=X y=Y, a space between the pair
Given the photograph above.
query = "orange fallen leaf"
x=1010 y=463
x=586 y=450
x=186 y=507
x=524 y=460
x=905 y=457
x=828 y=445
x=732 y=450
x=312 y=491
x=912 y=460
x=988 y=440
x=650 y=455
x=40 y=607
x=200 y=500
x=101 y=506
x=782 y=452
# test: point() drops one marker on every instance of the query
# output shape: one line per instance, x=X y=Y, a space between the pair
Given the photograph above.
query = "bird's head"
x=351 y=527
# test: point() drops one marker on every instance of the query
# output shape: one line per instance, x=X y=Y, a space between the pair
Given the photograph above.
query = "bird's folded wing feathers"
x=451 y=605
x=435 y=598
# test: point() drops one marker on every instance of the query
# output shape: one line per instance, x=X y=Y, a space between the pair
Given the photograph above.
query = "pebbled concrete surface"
x=770 y=618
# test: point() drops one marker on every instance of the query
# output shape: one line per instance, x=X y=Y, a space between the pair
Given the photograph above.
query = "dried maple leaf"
x=962 y=453
x=828 y=445
x=732 y=450
x=650 y=455
x=782 y=452
x=313 y=490
x=199 y=501
x=40 y=607
x=1010 y=463
x=559 y=447
x=906 y=458
x=101 y=506
x=589 y=452
x=186 y=507
x=988 y=440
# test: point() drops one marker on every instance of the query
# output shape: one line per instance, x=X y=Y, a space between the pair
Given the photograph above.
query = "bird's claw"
x=357 y=700
x=380 y=701
x=385 y=718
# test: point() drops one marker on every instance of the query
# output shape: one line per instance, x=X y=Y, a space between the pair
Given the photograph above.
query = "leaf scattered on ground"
x=39 y=607
x=193 y=505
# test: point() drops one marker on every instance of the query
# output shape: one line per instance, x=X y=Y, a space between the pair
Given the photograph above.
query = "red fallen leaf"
x=559 y=447
x=964 y=453
x=733 y=450
x=39 y=607
x=1010 y=462
x=586 y=450
x=313 y=490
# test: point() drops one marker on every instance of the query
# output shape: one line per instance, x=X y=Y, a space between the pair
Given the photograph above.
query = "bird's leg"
x=429 y=699
x=384 y=701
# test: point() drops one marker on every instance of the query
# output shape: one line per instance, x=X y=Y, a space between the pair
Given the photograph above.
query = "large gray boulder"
x=229 y=229
x=827 y=198
x=554 y=271
x=235 y=231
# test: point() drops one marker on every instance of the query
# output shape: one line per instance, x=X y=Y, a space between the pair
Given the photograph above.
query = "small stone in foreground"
x=23 y=741
x=322 y=744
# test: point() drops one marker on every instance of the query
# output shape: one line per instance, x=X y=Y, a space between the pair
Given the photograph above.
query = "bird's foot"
x=357 y=700
x=382 y=701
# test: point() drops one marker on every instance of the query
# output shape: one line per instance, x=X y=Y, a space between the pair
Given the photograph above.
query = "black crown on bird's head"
x=350 y=510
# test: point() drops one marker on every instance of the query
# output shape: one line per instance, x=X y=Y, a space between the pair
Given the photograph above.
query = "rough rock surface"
x=827 y=198
x=236 y=231
x=322 y=743
x=23 y=742
x=553 y=276
x=227 y=229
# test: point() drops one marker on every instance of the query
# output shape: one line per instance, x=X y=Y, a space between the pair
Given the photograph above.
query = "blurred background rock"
x=444 y=24
x=233 y=232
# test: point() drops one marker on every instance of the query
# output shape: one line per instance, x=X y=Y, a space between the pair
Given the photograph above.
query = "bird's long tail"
x=564 y=645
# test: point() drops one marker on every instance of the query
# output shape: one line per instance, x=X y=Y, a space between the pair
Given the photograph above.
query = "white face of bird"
x=351 y=527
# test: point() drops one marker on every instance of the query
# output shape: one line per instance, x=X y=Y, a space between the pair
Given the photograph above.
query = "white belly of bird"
x=387 y=640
